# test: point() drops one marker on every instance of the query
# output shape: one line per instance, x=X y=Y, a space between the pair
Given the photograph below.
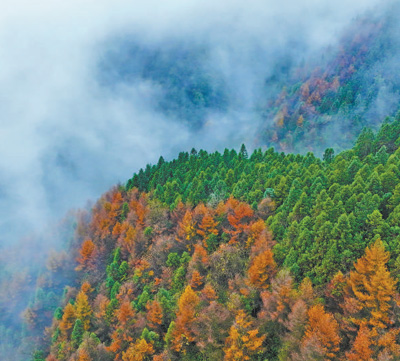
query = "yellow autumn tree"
x=186 y=229
x=129 y=239
x=83 y=311
x=139 y=351
x=243 y=342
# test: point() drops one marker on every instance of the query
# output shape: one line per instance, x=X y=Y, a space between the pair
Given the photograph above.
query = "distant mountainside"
x=355 y=85
x=189 y=87
x=297 y=102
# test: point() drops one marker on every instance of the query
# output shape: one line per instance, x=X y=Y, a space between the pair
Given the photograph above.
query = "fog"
x=65 y=137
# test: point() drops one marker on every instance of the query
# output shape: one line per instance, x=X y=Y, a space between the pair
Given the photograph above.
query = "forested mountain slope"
x=268 y=256
x=329 y=98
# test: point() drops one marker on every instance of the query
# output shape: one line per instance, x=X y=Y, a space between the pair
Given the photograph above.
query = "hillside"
x=351 y=85
x=234 y=256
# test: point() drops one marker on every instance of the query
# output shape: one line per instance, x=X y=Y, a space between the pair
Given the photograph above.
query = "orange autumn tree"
x=243 y=342
x=198 y=266
x=361 y=350
x=154 y=314
x=207 y=226
x=200 y=256
x=125 y=313
x=196 y=280
x=128 y=241
x=262 y=266
x=68 y=319
x=208 y=293
x=258 y=234
x=323 y=329
x=140 y=209
x=238 y=217
x=86 y=287
x=369 y=300
x=372 y=287
x=87 y=255
x=106 y=212
x=122 y=335
x=182 y=334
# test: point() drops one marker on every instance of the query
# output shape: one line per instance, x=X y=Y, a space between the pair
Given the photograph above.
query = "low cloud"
x=66 y=137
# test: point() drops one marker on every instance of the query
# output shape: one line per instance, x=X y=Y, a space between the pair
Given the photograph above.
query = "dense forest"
x=211 y=256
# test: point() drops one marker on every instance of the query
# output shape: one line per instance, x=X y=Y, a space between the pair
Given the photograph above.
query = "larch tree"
x=68 y=318
x=361 y=349
x=370 y=302
x=243 y=342
x=196 y=280
x=154 y=314
x=186 y=230
x=324 y=328
x=83 y=311
x=83 y=355
x=261 y=269
x=125 y=313
x=207 y=226
x=141 y=350
x=182 y=334
x=87 y=255
x=373 y=288
x=238 y=220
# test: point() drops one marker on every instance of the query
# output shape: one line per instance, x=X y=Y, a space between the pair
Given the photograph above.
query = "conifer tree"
x=83 y=311
x=369 y=304
x=77 y=334
x=182 y=333
x=154 y=314
x=244 y=341
x=324 y=328
x=68 y=318
x=261 y=269
x=372 y=288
